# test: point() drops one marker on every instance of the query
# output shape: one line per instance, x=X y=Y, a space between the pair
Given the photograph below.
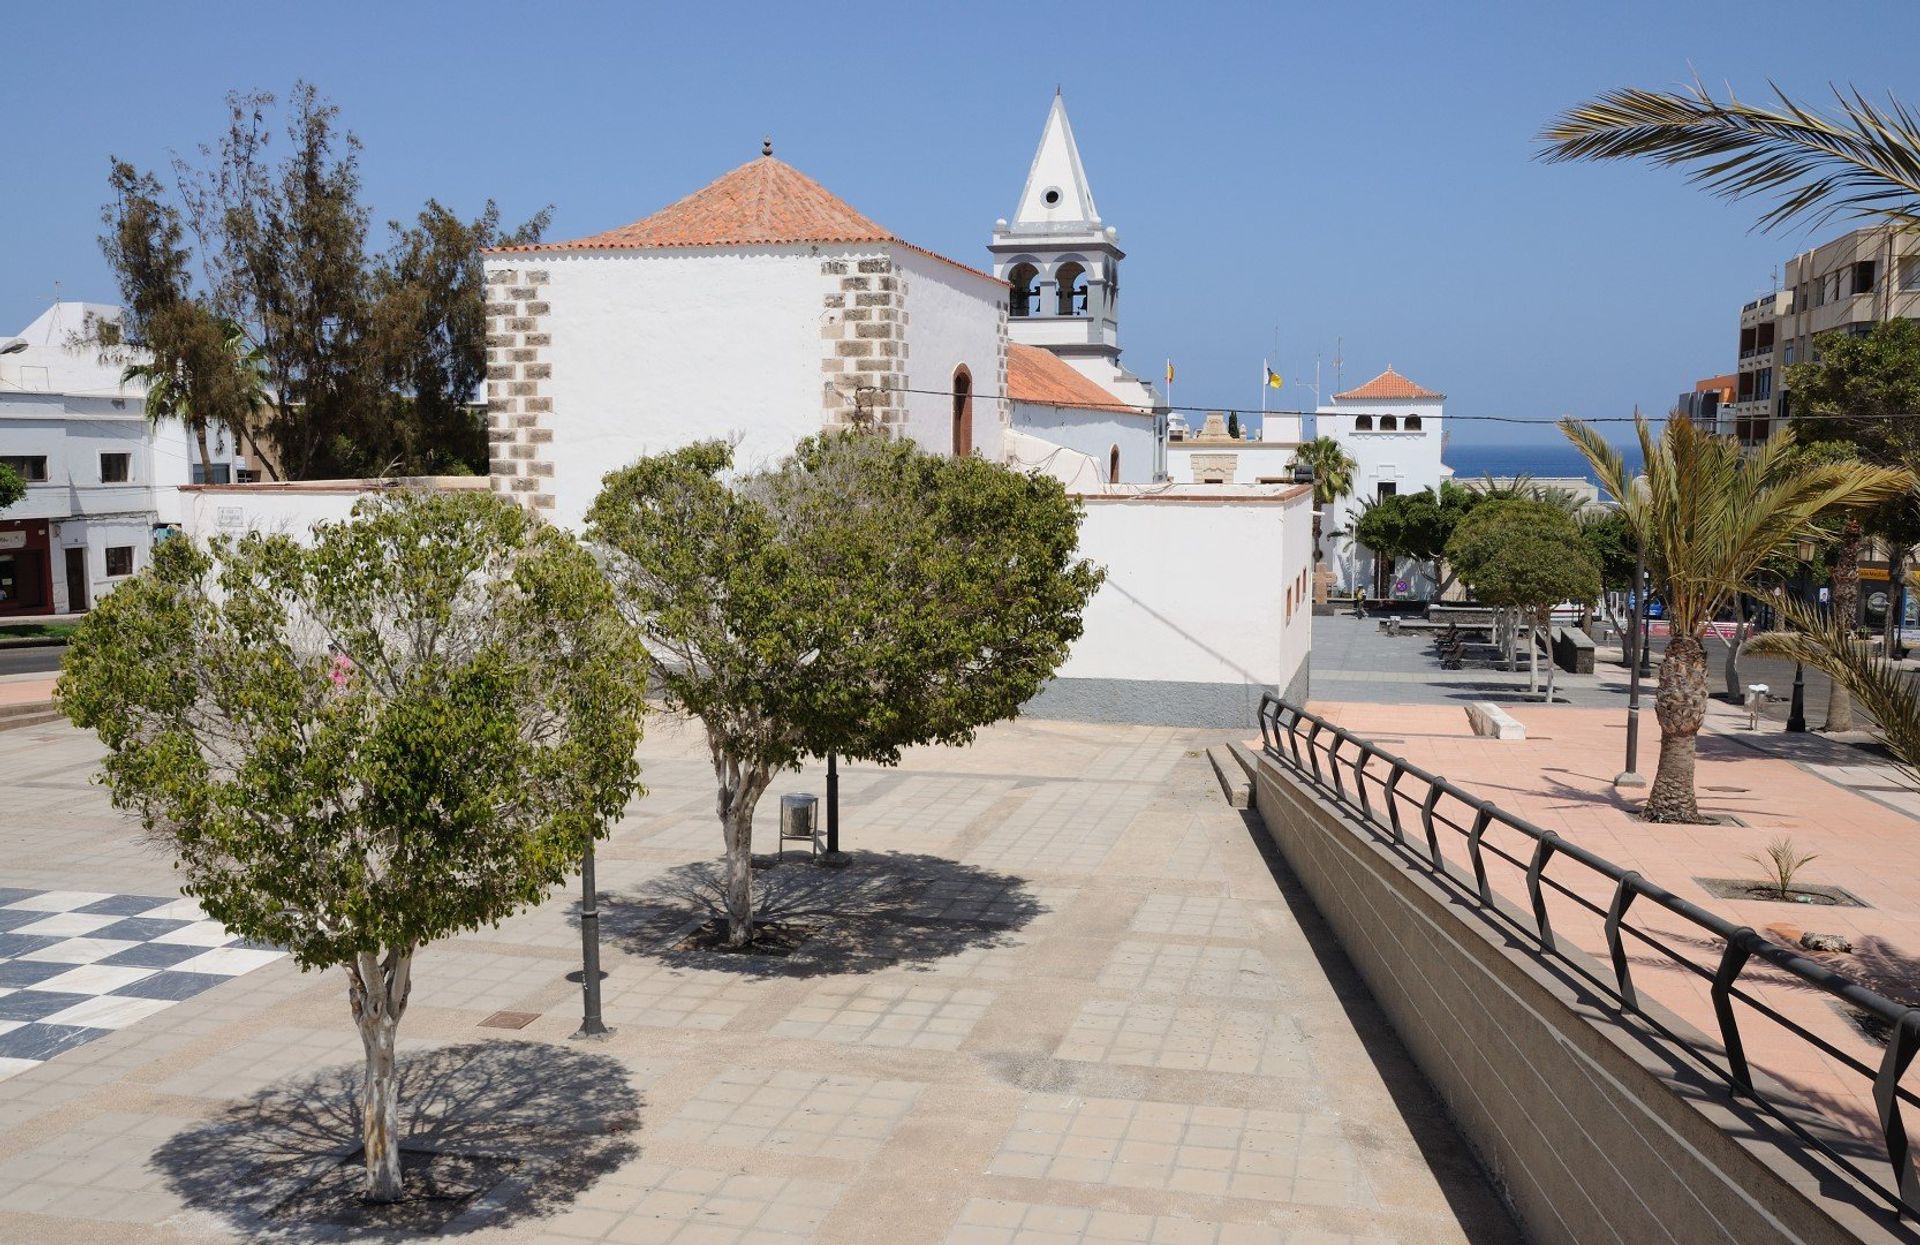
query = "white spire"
x=1057 y=192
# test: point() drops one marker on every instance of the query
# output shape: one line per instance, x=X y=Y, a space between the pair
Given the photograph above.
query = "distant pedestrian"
x=1359 y=602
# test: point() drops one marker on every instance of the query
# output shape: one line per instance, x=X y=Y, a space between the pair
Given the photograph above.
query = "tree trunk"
x=1533 y=653
x=740 y=791
x=1846 y=610
x=1681 y=706
x=1896 y=601
x=206 y=458
x=378 y=994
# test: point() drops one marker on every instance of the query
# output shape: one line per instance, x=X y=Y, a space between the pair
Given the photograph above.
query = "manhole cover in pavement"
x=509 y=1020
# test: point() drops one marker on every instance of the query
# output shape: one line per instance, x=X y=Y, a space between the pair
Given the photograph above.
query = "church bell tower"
x=1063 y=264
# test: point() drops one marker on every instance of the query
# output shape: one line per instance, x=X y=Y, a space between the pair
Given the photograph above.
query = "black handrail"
x=1287 y=730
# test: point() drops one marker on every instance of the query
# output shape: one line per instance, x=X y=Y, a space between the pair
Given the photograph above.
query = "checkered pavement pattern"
x=77 y=965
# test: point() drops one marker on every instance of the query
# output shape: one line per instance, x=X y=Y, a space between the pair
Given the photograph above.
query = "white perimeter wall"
x=953 y=318
x=1094 y=433
x=1202 y=591
x=652 y=350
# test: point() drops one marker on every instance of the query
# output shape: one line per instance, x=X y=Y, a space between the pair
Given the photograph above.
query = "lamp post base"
x=1628 y=778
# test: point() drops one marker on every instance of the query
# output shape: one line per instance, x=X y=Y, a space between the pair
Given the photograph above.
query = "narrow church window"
x=1072 y=279
x=962 y=411
x=1363 y=423
x=1025 y=292
x=1389 y=424
x=1113 y=465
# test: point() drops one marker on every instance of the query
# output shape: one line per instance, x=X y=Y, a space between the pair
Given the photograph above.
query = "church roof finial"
x=766 y=145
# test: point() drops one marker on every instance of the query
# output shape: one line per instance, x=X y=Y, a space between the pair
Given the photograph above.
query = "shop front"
x=26 y=572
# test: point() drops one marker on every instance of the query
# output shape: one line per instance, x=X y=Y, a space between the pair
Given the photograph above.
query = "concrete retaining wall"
x=1595 y=1128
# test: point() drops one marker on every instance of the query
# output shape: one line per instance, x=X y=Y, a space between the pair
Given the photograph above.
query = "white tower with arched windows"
x=1063 y=263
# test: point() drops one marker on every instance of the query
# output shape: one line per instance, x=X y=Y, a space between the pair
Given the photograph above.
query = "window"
x=1026 y=293
x=119 y=560
x=114 y=467
x=1072 y=280
x=962 y=411
x=1113 y=465
x=1910 y=272
x=1863 y=274
x=212 y=473
x=1385 y=489
x=1389 y=424
x=32 y=467
x=1051 y=196
x=1363 y=423
x=1411 y=423
x=1763 y=384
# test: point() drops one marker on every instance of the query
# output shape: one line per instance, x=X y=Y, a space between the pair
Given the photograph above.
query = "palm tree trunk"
x=1896 y=598
x=206 y=458
x=1846 y=608
x=1680 y=705
x=1733 y=649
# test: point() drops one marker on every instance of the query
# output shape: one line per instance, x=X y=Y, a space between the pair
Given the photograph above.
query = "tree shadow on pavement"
x=883 y=910
x=493 y=1133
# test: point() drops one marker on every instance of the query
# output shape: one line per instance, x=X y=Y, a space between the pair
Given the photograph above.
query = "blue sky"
x=1356 y=173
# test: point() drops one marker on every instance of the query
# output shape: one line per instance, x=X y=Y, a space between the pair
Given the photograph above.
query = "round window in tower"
x=1051 y=196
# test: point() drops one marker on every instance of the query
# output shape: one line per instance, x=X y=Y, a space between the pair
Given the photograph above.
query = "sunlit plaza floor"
x=1060 y=996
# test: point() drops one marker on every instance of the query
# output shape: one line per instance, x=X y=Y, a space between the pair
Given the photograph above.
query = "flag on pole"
x=1169 y=371
x=1273 y=379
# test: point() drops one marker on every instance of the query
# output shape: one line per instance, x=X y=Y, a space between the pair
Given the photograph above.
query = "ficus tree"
x=12 y=487
x=860 y=597
x=1518 y=563
x=1480 y=534
x=410 y=727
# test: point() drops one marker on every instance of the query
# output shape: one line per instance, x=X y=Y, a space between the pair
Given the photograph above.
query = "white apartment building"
x=101 y=483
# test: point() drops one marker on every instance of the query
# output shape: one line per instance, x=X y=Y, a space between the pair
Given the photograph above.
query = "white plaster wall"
x=953 y=318
x=1410 y=460
x=1095 y=434
x=653 y=350
x=210 y=512
x=1252 y=460
x=1196 y=590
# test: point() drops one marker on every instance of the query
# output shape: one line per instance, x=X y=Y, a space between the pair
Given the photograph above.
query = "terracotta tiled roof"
x=1039 y=376
x=763 y=202
x=1388 y=386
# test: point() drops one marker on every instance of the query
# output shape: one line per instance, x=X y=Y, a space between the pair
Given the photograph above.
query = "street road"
x=31 y=660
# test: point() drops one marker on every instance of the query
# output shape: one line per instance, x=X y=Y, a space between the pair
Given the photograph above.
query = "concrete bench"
x=1573 y=650
x=1491 y=721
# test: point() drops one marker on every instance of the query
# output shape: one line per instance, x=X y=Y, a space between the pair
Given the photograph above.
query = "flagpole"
x=1266 y=366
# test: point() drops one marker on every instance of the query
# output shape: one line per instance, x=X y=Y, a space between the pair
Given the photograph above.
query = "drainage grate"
x=509 y=1020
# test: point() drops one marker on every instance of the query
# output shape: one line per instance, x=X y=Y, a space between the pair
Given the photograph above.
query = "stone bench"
x=1491 y=721
x=1573 y=650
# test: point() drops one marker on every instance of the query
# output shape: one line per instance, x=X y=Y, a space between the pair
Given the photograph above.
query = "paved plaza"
x=1061 y=996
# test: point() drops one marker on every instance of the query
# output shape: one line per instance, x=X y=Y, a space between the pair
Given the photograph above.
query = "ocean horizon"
x=1547 y=459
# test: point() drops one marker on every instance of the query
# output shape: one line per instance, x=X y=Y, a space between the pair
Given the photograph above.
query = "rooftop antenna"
x=1338 y=363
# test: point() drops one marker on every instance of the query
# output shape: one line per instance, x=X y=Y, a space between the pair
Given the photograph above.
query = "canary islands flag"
x=1273 y=379
x=1169 y=371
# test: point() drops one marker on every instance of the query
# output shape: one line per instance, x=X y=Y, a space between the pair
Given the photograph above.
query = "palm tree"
x=1707 y=516
x=1333 y=470
x=1881 y=685
x=1863 y=162
x=220 y=385
x=170 y=396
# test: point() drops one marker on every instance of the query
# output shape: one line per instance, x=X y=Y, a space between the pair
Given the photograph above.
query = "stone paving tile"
x=1246 y=1041
x=1274 y=1156
x=793 y=1112
x=477 y=980
x=887 y=1013
x=1184 y=968
x=652 y=1204
x=990 y=1221
x=98 y=1169
x=682 y=998
x=1193 y=916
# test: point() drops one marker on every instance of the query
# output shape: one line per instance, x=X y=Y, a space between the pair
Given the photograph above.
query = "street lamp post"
x=1636 y=649
x=590 y=1022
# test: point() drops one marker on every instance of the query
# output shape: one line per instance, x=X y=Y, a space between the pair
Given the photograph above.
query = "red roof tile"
x=1041 y=377
x=763 y=202
x=1389 y=386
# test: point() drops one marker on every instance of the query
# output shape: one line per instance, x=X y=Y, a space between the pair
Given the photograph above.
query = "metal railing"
x=1397 y=800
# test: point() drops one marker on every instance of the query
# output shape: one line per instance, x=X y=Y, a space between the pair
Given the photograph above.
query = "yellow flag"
x=1169 y=371
x=1273 y=379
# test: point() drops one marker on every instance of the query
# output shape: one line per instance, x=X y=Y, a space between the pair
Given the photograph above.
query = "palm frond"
x=1886 y=691
x=1865 y=161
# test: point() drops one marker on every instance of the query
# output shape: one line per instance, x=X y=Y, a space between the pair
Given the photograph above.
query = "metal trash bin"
x=800 y=819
